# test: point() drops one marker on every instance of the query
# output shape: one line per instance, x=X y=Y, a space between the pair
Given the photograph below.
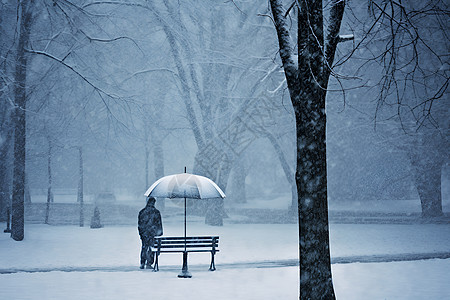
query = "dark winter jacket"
x=149 y=222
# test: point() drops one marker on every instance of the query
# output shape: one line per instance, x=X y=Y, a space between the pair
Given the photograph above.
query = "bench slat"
x=190 y=242
x=187 y=238
x=187 y=241
x=181 y=251
x=187 y=246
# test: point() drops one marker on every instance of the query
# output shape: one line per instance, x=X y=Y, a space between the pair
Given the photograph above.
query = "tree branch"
x=332 y=39
x=284 y=40
x=73 y=70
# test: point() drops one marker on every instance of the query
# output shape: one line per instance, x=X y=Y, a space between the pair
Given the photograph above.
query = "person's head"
x=151 y=201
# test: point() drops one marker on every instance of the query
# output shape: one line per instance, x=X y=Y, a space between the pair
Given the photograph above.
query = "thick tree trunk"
x=430 y=194
x=215 y=209
x=307 y=82
x=427 y=157
x=238 y=182
x=428 y=183
x=5 y=132
x=311 y=177
x=218 y=169
x=17 y=207
x=215 y=212
x=18 y=194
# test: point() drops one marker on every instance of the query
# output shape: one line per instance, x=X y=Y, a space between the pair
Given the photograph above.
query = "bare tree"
x=307 y=80
x=204 y=84
x=415 y=83
x=55 y=48
x=408 y=44
x=25 y=10
x=7 y=25
x=411 y=67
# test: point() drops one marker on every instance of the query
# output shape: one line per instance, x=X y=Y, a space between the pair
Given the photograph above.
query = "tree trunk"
x=214 y=164
x=311 y=177
x=147 y=154
x=427 y=156
x=198 y=208
x=307 y=83
x=18 y=210
x=429 y=190
x=5 y=135
x=49 y=187
x=80 y=186
x=427 y=176
x=17 y=207
x=293 y=209
x=215 y=208
x=27 y=196
x=238 y=181
x=215 y=212
x=182 y=73
x=5 y=175
x=158 y=158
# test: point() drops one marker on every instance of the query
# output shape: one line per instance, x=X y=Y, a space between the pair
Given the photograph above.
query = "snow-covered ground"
x=255 y=262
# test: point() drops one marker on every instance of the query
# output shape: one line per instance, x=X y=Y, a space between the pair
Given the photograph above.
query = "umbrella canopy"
x=185 y=185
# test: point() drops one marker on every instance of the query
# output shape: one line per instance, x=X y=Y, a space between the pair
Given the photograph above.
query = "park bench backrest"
x=193 y=244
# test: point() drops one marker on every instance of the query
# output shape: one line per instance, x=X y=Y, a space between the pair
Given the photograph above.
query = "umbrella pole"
x=184 y=270
x=185 y=218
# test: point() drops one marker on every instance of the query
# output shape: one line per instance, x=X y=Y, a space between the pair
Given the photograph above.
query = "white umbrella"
x=185 y=185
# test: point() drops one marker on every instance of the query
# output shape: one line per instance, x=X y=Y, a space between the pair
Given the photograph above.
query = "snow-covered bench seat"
x=176 y=244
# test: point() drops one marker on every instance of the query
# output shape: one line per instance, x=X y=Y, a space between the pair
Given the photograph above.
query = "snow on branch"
x=346 y=37
x=278 y=87
x=158 y=70
x=333 y=37
x=284 y=38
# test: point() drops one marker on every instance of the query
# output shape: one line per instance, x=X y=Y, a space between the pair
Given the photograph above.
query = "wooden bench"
x=176 y=244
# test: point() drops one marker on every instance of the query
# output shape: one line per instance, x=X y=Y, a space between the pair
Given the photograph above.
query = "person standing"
x=149 y=226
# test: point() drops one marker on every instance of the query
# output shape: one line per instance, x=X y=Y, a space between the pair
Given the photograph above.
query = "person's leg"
x=150 y=253
x=143 y=253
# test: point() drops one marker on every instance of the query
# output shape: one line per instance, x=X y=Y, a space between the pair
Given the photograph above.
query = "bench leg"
x=156 y=267
x=212 y=266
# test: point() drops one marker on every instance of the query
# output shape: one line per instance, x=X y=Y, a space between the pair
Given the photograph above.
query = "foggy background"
x=125 y=102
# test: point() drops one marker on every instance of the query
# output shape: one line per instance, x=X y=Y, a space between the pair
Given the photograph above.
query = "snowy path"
x=243 y=265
